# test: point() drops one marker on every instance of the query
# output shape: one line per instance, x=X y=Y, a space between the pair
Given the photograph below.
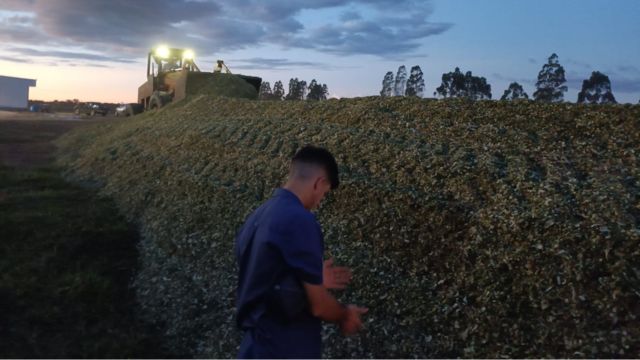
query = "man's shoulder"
x=286 y=217
x=294 y=214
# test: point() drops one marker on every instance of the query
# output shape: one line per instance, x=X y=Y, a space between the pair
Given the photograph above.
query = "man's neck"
x=297 y=191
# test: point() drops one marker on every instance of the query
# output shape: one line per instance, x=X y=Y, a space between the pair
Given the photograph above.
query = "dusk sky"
x=96 y=50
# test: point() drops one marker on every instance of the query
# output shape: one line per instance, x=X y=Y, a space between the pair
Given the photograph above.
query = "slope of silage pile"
x=482 y=229
x=219 y=84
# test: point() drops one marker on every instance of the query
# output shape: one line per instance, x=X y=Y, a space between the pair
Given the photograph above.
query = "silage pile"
x=483 y=229
x=219 y=84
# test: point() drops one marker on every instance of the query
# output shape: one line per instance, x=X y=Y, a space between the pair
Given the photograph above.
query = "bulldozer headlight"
x=162 y=52
x=188 y=55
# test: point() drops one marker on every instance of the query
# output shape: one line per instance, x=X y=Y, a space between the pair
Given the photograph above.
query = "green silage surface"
x=219 y=84
x=480 y=229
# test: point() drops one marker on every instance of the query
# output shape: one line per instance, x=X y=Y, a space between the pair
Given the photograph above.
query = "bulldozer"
x=170 y=72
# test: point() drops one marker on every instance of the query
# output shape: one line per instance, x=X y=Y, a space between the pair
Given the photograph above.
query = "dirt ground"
x=67 y=256
x=26 y=138
x=25 y=115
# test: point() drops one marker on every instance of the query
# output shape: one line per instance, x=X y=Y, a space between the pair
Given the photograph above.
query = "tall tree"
x=265 y=91
x=457 y=84
x=294 y=90
x=401 y=81
x=317 y=91
x=293 y=86
x=387 y=84
x=415 y=84
x=596 y=90
x=514 y=92
x=312 y=90
x=297 y=89
x=453 y=84
x=278 y=90
x=551 y=78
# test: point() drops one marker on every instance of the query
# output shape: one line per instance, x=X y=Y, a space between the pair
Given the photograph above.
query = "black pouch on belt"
x=287 y=299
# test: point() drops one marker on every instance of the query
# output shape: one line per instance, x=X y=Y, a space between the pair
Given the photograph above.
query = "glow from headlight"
x=162 y=52
x=188 y=55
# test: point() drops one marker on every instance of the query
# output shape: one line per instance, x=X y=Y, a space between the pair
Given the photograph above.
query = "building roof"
x=32 y=82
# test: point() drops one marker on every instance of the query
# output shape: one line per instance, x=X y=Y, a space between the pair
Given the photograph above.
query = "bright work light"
x=162 y=52
x=188 y=55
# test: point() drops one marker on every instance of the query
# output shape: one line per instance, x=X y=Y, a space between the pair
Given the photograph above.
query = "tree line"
x=550 y=86
x=298 y=90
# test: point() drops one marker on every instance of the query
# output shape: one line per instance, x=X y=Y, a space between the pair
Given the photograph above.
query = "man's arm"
x=325 y=307
x=335 y=277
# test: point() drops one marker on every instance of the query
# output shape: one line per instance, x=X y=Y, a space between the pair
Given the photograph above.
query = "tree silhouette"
x=456 y=84
x=293 y=89
x=514 y=92
x=415 y=84
x=265 y=91
x=278 y=90
x=401 y=81
x=596 y=90
x=551 y=78
x=313 y=85
x=317 y=91
x=297 y=89
x=387 y=84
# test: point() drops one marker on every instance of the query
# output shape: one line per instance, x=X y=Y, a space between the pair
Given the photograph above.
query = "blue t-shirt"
x=280 y=239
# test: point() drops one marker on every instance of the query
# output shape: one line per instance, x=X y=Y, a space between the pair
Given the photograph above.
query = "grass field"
x=66 y=258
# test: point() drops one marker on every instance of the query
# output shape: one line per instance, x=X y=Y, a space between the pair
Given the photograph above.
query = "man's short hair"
x=319 y=156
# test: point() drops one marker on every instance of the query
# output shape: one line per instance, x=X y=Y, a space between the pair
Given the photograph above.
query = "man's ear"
x=316 y=184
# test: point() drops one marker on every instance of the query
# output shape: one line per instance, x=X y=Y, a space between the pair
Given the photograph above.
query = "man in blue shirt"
x=282 y=285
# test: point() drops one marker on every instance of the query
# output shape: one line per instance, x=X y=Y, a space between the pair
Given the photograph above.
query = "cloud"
x=65 y=55
x=625 y=85
x=277 y=10
x=352 y=33
x=130 y=28
x=117 y=22
x=98 y=65
x=274 y=64
x=228 y=34
x=21 y=29
x=15 y=59
x=16 y=5
x=628 y=69
x=510 y=79
x=108 y=25
x=350 y=15
x=383 y=36
x=580 y=64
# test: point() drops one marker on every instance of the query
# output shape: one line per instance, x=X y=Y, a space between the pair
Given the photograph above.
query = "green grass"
x=66 y=261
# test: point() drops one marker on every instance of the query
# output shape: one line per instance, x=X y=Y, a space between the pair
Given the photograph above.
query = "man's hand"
x=335 y=277
x=352 y=323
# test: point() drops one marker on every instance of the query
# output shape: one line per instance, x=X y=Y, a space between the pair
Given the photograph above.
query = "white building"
x=14 y=92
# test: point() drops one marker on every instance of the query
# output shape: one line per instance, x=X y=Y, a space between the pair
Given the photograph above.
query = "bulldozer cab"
x=163 y=60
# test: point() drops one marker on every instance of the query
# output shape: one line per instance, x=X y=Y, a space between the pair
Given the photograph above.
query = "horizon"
x=96 y=51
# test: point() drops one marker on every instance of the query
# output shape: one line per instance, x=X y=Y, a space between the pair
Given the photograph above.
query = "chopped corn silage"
x=474 y=229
